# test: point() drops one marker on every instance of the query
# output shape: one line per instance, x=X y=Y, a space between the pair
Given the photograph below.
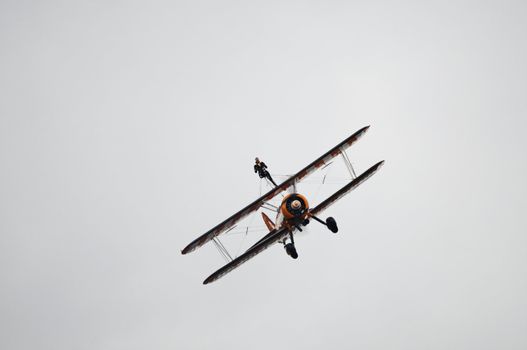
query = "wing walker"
x=293 y=213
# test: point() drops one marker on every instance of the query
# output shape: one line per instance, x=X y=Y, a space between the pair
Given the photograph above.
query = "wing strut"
x=221 y=248
x=269 y=206
x=348 y=164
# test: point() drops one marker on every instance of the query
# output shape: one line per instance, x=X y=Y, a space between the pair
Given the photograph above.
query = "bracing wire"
x=222 y=250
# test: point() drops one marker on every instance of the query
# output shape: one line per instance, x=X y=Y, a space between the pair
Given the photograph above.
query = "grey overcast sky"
x=129 y=128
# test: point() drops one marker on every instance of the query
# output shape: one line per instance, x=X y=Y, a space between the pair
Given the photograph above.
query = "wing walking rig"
x=293 y=213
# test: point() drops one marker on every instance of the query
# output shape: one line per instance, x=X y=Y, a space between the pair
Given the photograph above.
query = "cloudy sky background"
x=129 y=128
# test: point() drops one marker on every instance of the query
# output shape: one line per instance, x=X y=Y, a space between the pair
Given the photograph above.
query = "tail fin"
x=268 y=222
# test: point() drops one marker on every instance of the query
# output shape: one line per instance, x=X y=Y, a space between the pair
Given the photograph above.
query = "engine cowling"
x=294 y=205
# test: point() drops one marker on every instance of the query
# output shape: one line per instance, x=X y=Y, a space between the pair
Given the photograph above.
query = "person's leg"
x=271 y=179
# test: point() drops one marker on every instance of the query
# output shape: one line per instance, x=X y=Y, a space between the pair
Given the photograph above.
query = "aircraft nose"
x=296 y=204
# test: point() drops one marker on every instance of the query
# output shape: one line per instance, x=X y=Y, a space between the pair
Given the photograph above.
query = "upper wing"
x=254 y=206
x=226 y=224
x=344 y=190
x=259 y=247
x=326 y=157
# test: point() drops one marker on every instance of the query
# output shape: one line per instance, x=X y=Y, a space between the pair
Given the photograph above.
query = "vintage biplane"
x=291 y=215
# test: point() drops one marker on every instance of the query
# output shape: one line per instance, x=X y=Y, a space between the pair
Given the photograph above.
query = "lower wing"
x=346 y=189
x=275 y=236
x=256 y=249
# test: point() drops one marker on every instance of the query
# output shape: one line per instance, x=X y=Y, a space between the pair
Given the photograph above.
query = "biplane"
x=292 y=214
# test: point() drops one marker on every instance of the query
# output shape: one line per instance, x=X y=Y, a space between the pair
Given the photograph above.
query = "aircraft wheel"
x=291 y=250
x=294 y=254
x=332 y=225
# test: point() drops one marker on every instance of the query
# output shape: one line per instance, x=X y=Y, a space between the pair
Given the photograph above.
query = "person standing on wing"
x=261 y=169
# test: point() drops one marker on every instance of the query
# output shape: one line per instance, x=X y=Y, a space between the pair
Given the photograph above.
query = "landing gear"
x=290 y=247
x=291 y=250
x=330 y=223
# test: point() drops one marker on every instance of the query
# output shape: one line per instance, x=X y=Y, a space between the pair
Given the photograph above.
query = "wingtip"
x=361 y=131
x=192 y=246
x=209 y=279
